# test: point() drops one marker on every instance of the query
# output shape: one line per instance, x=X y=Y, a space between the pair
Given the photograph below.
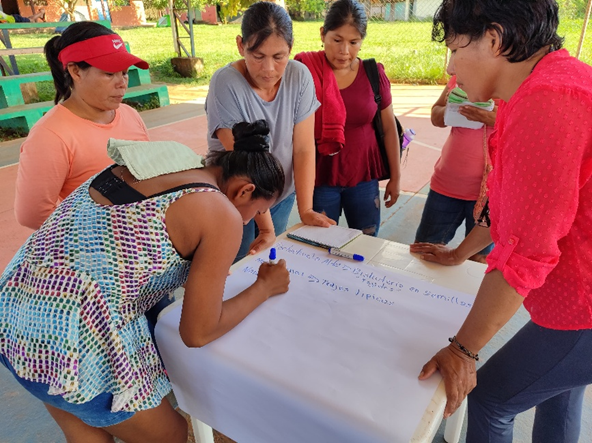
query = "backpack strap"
x=372 y=73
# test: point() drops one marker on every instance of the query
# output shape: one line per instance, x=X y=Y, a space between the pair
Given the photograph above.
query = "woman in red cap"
x=89 y=64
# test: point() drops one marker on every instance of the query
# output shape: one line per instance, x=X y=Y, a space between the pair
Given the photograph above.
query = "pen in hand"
x=272 y=257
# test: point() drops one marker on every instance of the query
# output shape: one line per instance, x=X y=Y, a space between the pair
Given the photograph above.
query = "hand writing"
x=274 y=278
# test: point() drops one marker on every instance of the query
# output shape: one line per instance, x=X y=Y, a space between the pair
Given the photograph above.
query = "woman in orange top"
x=89 y=64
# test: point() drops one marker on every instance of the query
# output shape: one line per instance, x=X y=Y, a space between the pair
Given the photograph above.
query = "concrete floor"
x=23 y=419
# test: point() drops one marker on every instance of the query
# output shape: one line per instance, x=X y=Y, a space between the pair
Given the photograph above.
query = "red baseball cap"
x=106 y=52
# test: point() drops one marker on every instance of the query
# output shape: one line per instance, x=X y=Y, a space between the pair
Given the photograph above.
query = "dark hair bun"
x=251 y=137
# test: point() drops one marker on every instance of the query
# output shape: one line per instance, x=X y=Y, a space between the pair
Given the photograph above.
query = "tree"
x=301 y=9
x=69 y=7
x=180 y=4
x=230 y=8
x=572 y=8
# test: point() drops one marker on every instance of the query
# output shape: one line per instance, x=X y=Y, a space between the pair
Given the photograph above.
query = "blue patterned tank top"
x=72 y=300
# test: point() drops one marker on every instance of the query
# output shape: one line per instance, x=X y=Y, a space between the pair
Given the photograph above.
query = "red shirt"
x=541 y=194
x=359 y=160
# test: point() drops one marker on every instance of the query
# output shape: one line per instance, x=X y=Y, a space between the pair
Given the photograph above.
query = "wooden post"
x=104 y=11
x=29 y=91
x=443 y=79
x=173 y=20
x=90 y=14
x=586 y=19
x=190 y=17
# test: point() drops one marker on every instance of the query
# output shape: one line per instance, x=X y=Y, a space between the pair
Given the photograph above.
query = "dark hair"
x=263 y=19
x=346 y=12
x=251 y=158
x=74 y=33
x=524 y=26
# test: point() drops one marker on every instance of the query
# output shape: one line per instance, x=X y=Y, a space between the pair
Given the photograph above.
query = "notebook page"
x=331 y=237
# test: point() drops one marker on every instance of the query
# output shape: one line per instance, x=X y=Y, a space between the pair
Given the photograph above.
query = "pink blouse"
x=459 y=170
x=541 y=194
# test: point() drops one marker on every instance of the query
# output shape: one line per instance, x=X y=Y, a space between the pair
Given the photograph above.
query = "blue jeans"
x=20 y=19
x=280 y=214
x=96 y=412
x=441 y=218
x=538 y=367
x=360 y=204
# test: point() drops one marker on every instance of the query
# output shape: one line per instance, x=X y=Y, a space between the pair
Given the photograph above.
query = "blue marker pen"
x=339 y=253
x=272 y=257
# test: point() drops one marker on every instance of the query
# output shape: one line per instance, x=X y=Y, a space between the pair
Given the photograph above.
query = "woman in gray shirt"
x=266 y=84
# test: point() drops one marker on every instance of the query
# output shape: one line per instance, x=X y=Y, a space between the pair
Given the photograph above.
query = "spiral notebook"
x=331 y=237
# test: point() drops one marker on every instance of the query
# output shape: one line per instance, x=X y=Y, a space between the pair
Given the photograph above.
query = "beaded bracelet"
x=463 y=349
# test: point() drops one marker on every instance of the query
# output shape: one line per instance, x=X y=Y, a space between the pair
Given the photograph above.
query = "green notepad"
x=452 y=115
x=331 y=237
x=459 y=96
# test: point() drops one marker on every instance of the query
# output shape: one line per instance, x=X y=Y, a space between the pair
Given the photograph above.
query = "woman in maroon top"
x=540 y=200
x=348 y=159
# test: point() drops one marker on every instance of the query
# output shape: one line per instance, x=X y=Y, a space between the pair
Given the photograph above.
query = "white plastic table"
x=213 y=389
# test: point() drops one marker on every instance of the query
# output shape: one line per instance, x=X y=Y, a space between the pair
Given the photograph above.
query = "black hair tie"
x=251 y=137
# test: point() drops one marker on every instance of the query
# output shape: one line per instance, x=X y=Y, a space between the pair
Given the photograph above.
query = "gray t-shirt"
x=232 y=100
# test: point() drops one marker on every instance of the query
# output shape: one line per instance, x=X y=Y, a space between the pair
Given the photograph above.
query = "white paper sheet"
x=336 y=356
x=453 y=117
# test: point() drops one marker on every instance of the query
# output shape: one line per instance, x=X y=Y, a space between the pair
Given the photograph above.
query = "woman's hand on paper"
x=391 y=193
x=313 y=218
x=275 y=279
x=264 y=240
x=476 y=114
x=436 y=253
x=458 y=372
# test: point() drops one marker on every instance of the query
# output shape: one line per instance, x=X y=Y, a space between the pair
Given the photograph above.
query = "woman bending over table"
x=266 y=84
x=72 y=301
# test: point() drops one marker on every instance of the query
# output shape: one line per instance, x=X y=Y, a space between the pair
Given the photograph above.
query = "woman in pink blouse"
x=540 y=200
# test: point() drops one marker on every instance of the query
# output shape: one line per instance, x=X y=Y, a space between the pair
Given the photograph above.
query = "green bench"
x=10 y=86
x=15 y=114
x=23 y=117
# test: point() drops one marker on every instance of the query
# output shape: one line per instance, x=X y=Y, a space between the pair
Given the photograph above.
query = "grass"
x=405 y=49
x=10 y=134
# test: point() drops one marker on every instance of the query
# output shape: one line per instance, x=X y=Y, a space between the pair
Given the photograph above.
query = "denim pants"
x=538 y=367
x=96 y=412
x=280 y=214
x=441 y=218
x=360 y=204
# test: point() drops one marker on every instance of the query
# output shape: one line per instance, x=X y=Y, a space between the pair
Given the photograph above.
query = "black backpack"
x=372 y=73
